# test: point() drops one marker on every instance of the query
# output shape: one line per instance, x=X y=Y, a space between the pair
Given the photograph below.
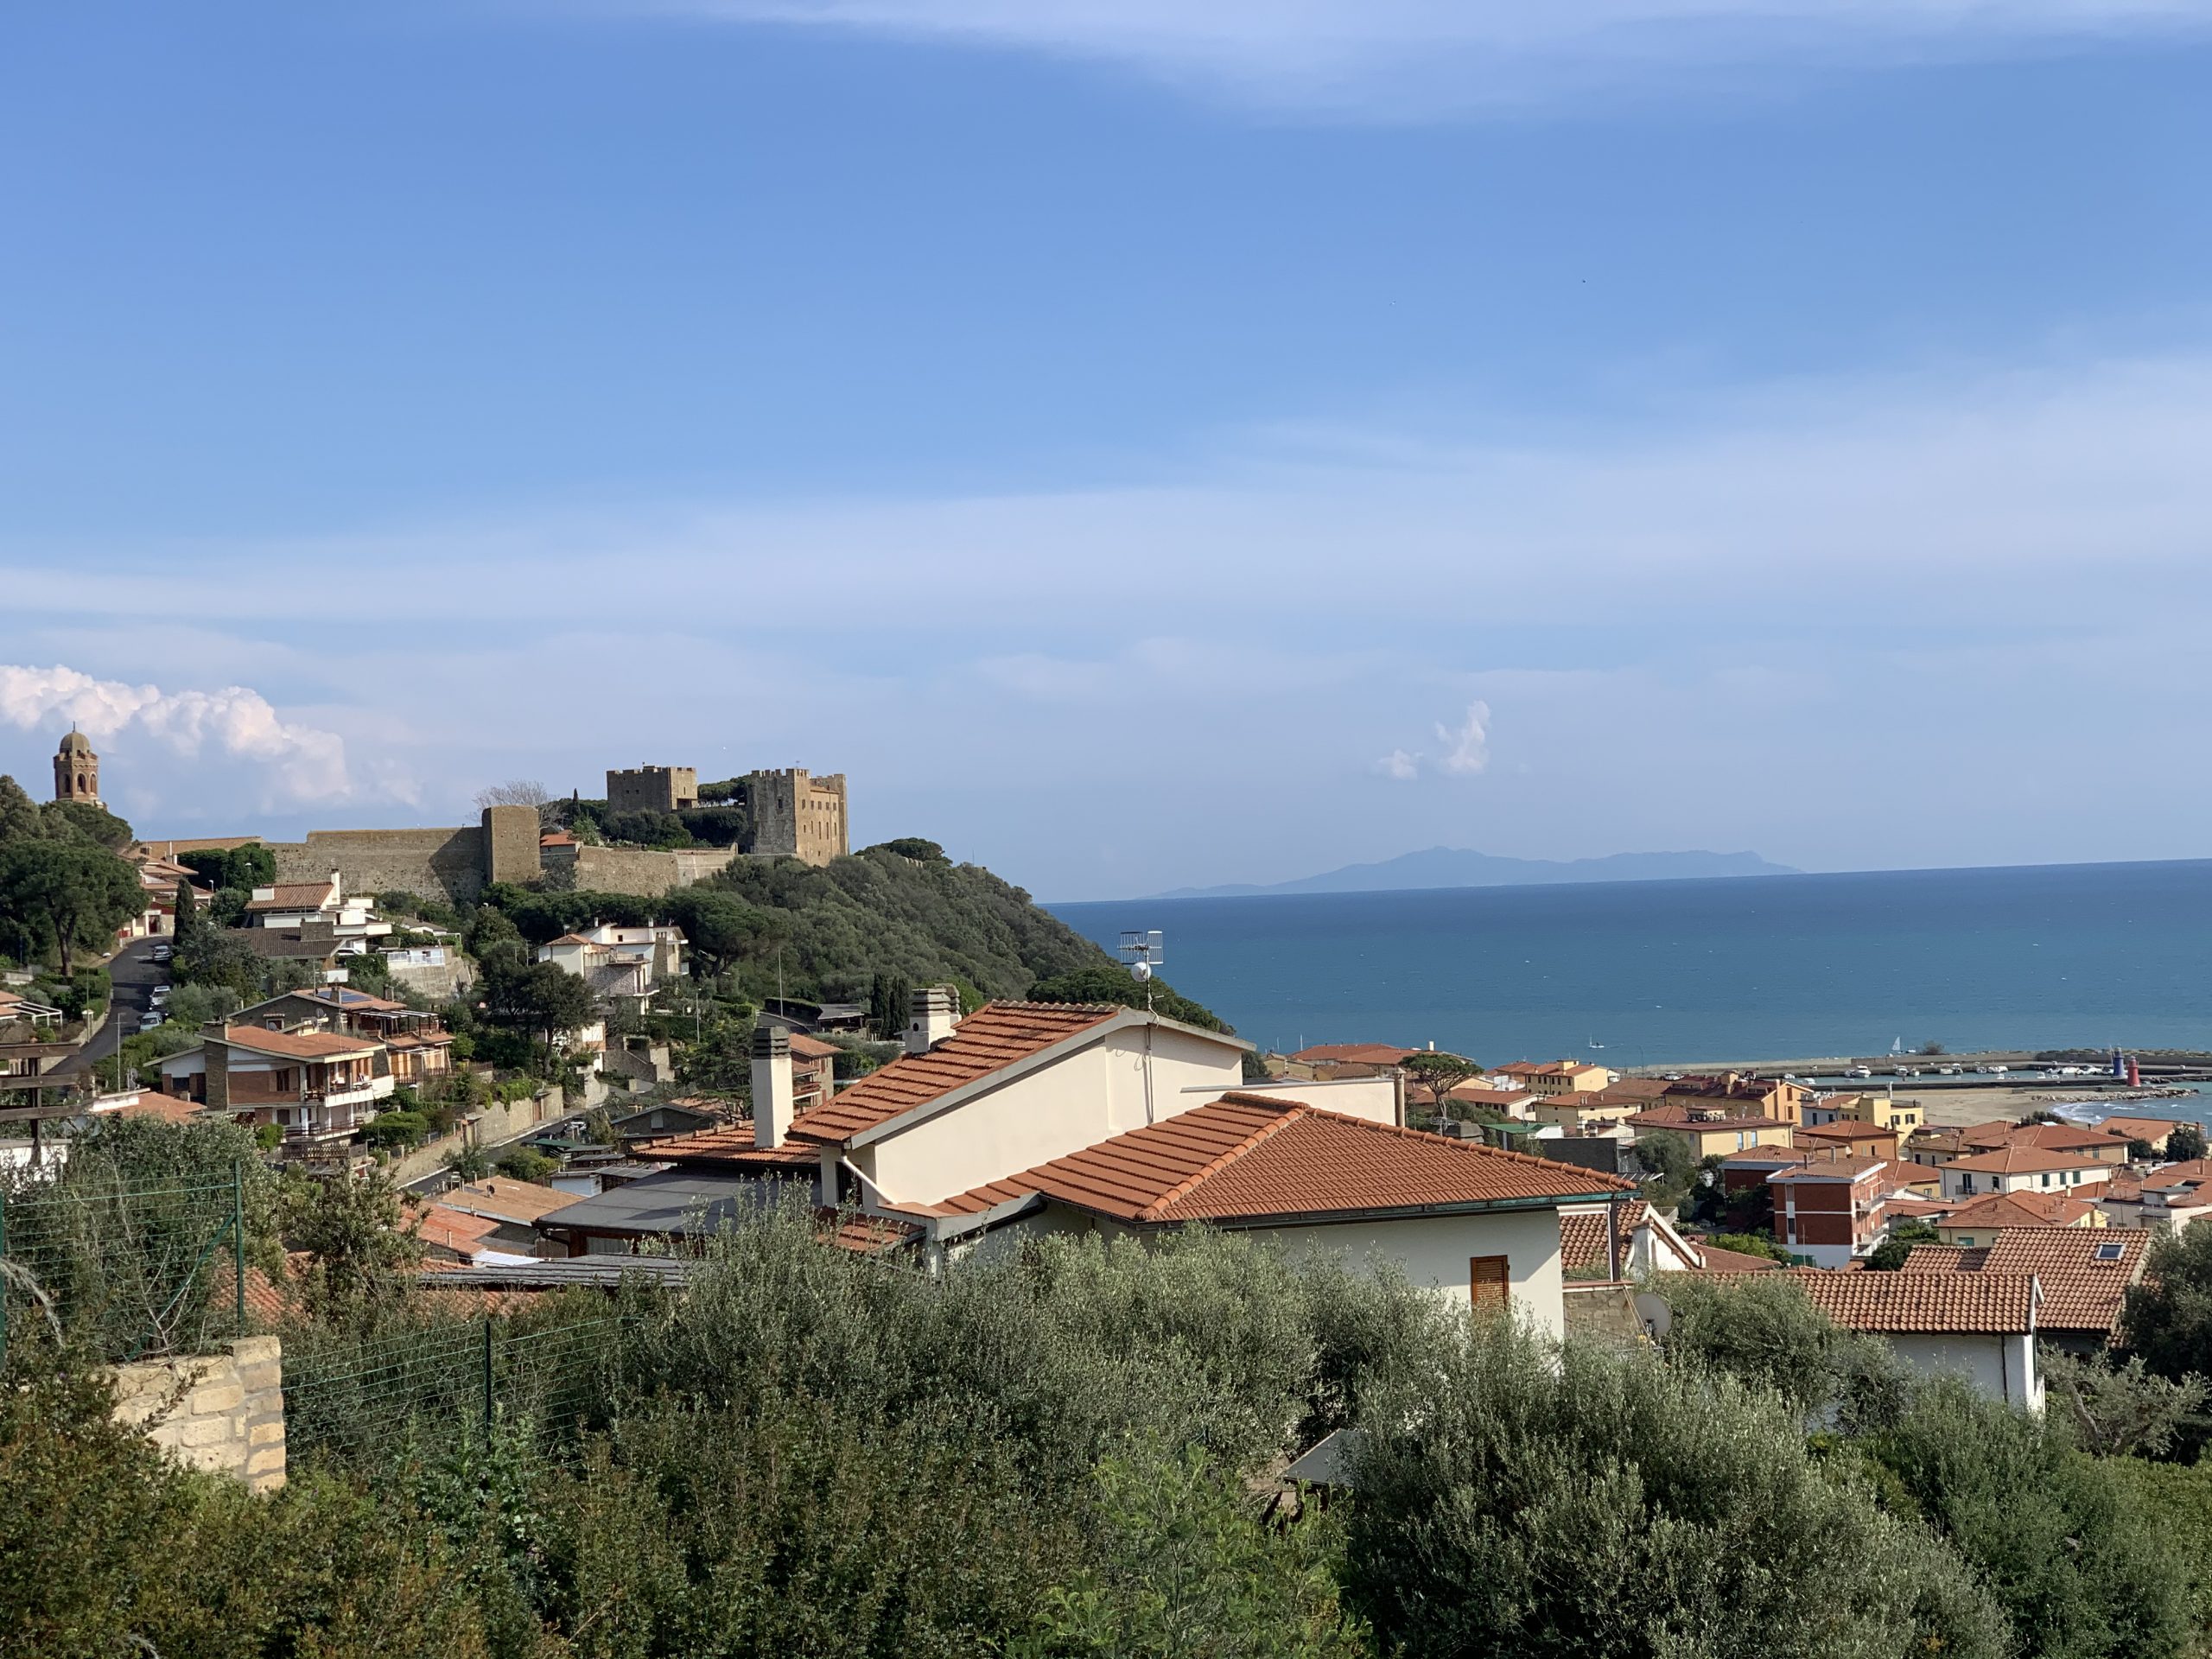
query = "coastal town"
x=510 y=1054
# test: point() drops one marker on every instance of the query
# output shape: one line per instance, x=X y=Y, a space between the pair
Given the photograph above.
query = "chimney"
x=771 y=1085
x=933 y=1016
x=215 y=1051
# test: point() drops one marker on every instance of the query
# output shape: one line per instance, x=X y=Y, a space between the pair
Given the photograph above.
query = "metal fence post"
x=4 y=1283
x=487 y=1377
x=238 y=1244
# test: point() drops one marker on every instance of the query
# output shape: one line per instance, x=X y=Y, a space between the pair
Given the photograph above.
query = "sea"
x=1736 y=969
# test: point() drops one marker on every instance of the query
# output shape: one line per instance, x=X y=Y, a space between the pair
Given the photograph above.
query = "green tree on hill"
x=1439 y=1073
x=72 y=892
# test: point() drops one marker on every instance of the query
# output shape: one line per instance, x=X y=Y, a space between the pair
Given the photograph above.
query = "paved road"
x=135 y=974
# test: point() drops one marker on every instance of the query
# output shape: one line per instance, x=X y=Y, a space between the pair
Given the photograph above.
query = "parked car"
x=162 y=952
x=160 y=994
x=152 y=1018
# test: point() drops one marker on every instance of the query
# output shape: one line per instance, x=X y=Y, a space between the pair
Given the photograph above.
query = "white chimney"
x=934 y=1013
x=771 y=1085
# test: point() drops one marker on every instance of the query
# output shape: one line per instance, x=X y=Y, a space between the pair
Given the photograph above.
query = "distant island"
x=1455 y=866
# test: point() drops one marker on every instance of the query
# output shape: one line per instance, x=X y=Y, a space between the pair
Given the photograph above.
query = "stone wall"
x=1600 y=1311
x=510 y=843
x=220 y=1412
x=797 y=815
x=647 y=874
x=444 y=863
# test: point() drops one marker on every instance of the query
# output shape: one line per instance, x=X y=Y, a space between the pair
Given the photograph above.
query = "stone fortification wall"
x=648 y=874
x=435 y=863
x=222 y=1412
x=798 y=815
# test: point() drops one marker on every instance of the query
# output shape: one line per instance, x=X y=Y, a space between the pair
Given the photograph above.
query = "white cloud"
x=1466 y=746
x=1396 y=58
x=301 y=763
x=1400 y=766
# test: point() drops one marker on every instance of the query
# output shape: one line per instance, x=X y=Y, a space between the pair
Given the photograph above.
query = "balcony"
x=366 y=1092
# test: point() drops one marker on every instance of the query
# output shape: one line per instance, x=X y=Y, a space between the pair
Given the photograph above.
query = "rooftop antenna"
x=1141 y=952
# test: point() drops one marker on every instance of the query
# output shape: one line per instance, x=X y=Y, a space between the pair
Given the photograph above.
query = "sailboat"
x=1897 y=1046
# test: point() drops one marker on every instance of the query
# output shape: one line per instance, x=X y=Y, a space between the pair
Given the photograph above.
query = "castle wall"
x=510 y=843
x=445 y=863
x=224 y=1412
x=647 y=874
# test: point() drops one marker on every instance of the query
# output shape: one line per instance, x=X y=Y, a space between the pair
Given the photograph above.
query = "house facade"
x=1827 y=1211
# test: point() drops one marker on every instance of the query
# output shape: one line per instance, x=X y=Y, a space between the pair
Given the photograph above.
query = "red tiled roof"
x=1998 y=1303
x=1719 y=1260
x=1844 y=1132
x=1829 y=1169
x=456 y=1229
x=2051 y=1137
x=1677 y=1114
x=1244 y=1157
x=1354 y=1054
x=299 y=1045
x=2022 y=1160
x=2083 y=1290
x=731 y=1145
x=2153 y=1129
x=293 y=895
x=2084 y=1271
x=866 y=1234
x=504 y=1199
x=812 y=1048
x=993 y=1038
x=1582 y=1236
x=2021 y=1210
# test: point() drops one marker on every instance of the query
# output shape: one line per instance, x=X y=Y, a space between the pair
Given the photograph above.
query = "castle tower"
x=77 y=770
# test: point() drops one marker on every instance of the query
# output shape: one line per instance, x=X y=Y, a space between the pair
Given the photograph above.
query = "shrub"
x=1621 y=1506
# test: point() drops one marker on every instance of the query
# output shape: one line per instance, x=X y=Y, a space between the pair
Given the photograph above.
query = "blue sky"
x=1141 y=445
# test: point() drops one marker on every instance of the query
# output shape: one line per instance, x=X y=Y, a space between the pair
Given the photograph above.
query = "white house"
x=619 y=961
x=1980 y=1327
x=295 y=905
x=1029 y=1118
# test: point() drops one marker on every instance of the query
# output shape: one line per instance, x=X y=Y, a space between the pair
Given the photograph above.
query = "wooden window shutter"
x=1488 y=1283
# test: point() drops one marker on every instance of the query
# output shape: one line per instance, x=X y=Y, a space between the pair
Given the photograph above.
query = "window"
x=2046 y=1177
x=2110 y=1252
x=1488 y=1283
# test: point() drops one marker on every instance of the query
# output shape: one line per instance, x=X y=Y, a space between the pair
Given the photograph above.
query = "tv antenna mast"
x=1142 y=953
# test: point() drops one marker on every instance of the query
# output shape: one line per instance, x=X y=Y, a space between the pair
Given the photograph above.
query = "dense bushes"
x=1061 y=1450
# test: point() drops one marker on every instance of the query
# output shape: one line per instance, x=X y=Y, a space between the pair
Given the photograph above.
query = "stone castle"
x=793 y=815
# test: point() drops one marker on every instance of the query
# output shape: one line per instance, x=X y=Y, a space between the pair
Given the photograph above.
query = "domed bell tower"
x=77 y=770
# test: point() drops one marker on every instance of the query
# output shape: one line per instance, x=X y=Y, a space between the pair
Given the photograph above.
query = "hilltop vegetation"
x=901 y=913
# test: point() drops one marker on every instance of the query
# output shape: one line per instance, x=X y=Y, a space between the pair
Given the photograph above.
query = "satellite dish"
x=1653 y=1313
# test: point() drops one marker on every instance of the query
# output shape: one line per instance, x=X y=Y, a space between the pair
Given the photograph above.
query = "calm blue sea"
x=1750 y=968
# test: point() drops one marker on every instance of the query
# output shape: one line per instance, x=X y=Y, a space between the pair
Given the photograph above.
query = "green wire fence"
x=359 y=1398
x=123 y=1271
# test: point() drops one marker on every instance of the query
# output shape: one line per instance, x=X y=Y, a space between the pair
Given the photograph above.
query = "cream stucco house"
x=1030 y=1118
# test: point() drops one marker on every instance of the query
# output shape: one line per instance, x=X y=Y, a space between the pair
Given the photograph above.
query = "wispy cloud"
x=300 y=763
x=1399 y=57
x=1792 y=586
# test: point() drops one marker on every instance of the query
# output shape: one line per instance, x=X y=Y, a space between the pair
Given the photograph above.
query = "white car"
x=161 y=952
x=161 y=995
x=148 y=1020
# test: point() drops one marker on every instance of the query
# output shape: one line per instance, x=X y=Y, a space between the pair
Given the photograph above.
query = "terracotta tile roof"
x=457 y=1230
x=2022 y=1160
x=2051 y=1137
x=1945 y=1258
x=1582 y=1236
x=1680 y=1115
x=2022 y=1209
x=2084 y=1271
x=1767 y=1157
x=293 y=895
x=299 y=1045
x=1719 y=1260
x=1246 y=1157
x=341 y=997
x=167 y=1108
x=1997 y=1304
x=2153 y=1129
x=813 y=1048
x=732 y=1144
x=1473 y=1094
x=866 y=1234
x=2196 y=1171
x=504 y=1199
x=1357 y=1053
x=1843 y=1133
x=1829 y=1169
x=993 y=1038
